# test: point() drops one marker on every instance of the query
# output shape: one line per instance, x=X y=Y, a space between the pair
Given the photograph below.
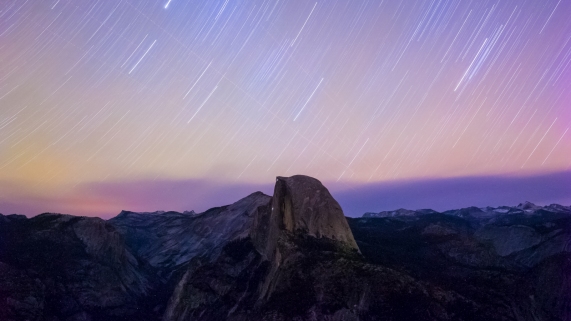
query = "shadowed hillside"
x=292 y=256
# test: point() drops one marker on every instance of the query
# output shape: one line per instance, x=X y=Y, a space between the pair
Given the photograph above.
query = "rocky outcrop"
x=301 y=212
x=514 y=256
x=300 y=205
x=508 y=239
x=292 y=256
x=303 y=204
x=169 y=239
x=61 y=266
x=300 y=261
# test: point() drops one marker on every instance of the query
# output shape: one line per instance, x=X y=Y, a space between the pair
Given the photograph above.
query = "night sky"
x=180 y=105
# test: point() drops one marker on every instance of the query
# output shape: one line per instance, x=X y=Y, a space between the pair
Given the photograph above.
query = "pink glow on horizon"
x=351 y=92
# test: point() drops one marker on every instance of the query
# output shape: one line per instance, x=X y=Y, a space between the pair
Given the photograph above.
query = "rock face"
x=302 y=215
x=509 y=239
x=301 y=262
x=303 y=204
x=292 y=256
x=168 y=240
x=300 y=205
x=508 y=256
x=57 y=266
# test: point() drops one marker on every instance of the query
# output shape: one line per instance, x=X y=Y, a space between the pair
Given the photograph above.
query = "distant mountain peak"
x=399 y=212
x=290 y=256
x=300 y=205
x=125 y=213
x=527 y=206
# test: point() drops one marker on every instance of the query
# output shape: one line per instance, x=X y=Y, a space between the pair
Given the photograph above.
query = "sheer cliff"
x=290 y=256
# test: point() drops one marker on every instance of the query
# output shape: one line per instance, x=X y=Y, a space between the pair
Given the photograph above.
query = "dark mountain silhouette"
x=292 y=256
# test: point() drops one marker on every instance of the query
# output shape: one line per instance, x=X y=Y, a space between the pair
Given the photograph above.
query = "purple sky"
x=194 y=103
x=451 y=193
x=107 y=199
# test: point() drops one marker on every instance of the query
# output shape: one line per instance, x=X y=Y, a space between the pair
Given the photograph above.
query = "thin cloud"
x=107 y=199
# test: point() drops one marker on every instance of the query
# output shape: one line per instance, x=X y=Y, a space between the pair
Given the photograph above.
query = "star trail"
x=238 y=92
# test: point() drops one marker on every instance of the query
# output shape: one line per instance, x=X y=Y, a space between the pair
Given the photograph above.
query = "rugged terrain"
x=292 y=256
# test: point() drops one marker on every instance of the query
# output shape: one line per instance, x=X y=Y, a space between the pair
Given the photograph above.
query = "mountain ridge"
x=293 y=255
x=526 y=207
